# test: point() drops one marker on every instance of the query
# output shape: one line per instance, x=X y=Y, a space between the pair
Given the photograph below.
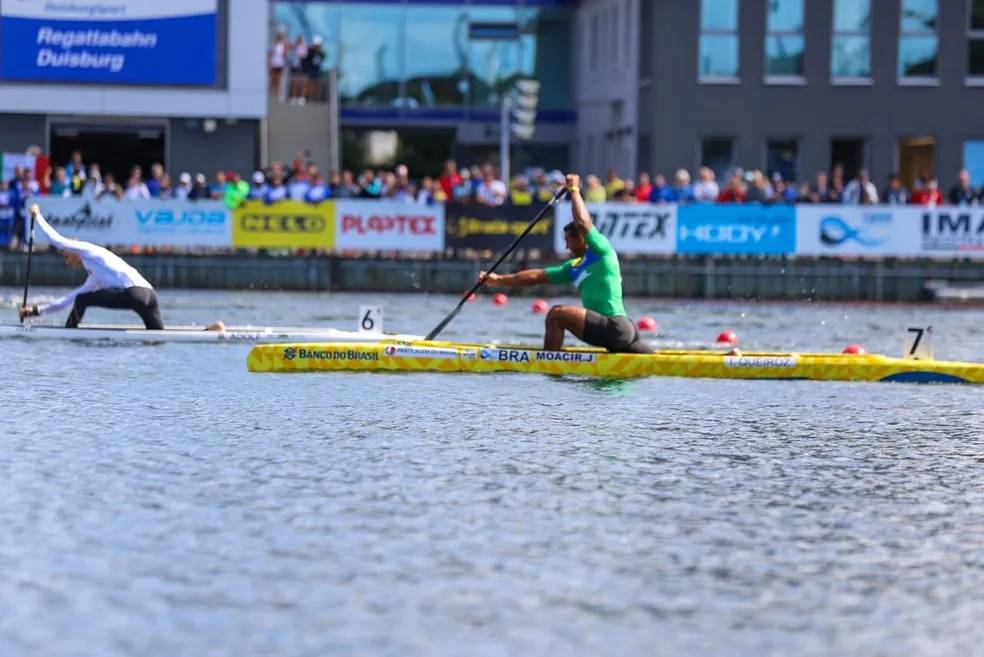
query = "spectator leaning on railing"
x=861 y=191
x=706 y=189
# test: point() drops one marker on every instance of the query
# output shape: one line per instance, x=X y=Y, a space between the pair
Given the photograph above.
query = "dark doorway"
x=114 y=148
x=848 y=153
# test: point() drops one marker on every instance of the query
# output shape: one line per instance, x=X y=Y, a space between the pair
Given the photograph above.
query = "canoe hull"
x=450 y=357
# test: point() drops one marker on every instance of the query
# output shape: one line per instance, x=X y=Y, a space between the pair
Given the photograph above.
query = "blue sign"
x=750 y=229
x=171 y=42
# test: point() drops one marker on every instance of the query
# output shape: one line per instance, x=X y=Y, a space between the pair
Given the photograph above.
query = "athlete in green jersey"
x=595 y=272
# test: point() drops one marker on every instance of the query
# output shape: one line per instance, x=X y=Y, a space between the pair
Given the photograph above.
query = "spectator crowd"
x=302 y=180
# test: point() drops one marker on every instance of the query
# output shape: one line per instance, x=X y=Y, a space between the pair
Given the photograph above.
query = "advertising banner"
x=183 y=224
x=949 y=232
x=484 y=228
x=124 y=41
x=284 y=225
x=751 y=229
x=845 y=230
x=629 y=227
x=382 y=225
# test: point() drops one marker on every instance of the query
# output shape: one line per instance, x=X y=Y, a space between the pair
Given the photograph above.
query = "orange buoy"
x=855 y=349
x=540 y=306
x=500 y=299
x=727 y=337
x=646 y=323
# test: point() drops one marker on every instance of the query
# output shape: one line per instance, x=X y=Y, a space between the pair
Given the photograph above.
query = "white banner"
x=388 y=225
x=631 y=228
x=950 y=232
x=856 y=230
x=183 y=224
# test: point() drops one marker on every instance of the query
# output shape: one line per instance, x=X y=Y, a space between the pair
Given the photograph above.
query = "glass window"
x=436 y=63
x=918 y=41
x=718 y=48
x=784 y=40
x=850 y=54
x=975 y=40
x=781 y=158
x=718 y=154
x=973 y=159
x=495 y=64
x=308 y=20
x=370 y=55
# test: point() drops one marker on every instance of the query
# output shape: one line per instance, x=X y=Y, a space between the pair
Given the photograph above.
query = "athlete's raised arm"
x=581 y=217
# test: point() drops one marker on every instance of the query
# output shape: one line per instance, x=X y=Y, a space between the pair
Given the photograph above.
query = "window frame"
x=781 y=79
x=917 y=80
x=850 y=80
x=732 y=142
x=712 y=32
x=973 y=80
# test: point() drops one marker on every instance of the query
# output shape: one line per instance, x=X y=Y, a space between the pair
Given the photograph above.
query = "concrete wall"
x=607 y=72
x=233 y=146
x=676 y=111
x=673 y=277
x=18 y=131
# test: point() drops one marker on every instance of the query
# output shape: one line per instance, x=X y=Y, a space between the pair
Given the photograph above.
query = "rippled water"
x=160 y=501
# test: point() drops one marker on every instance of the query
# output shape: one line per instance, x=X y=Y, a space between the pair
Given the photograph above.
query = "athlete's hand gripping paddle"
x=505 y=254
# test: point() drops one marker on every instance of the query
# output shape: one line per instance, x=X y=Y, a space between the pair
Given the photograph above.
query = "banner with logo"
x=382 y=225
x=124 y=41
x=283 y=225
x=631 y=228
x=846 y=230
x=950 y=232
x=485 y=228
x=183 y=224
x=750 y=229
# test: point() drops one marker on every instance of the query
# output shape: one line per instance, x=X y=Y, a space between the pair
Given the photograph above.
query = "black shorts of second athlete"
x=141 y=300
x=616 y=334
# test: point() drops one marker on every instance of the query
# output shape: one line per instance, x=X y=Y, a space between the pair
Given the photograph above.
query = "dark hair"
x=570 y=229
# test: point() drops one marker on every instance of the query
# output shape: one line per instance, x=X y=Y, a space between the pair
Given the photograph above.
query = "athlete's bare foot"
x=216 y=326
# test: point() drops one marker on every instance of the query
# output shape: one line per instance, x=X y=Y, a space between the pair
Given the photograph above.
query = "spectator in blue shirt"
x=258 y=190
x=319 y=191
x=660 y=193
x=156 y=177
x=681 y=192
x=277 y=190
x=217 y=189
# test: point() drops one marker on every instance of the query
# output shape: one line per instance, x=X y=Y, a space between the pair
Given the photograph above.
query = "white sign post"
x=370 y=319
x=919 y=343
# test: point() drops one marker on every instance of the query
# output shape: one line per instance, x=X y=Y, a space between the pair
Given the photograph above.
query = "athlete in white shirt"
x=111 y=283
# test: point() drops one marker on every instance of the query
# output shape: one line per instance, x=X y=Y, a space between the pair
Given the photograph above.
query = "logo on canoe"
x=290 y=353
x=409 y=351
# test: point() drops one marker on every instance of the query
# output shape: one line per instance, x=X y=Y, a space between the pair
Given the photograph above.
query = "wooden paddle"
x=505 y=254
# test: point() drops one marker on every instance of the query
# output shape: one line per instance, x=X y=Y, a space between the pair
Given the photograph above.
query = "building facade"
x=788 y=86
x=183 y=83
x=422 y=80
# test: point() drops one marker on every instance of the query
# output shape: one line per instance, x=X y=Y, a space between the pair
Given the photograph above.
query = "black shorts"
x=616 y=334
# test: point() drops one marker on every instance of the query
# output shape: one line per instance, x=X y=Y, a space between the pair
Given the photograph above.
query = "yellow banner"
x=284 y=225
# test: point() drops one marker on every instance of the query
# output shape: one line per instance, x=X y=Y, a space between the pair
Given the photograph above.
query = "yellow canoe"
x=401 y=356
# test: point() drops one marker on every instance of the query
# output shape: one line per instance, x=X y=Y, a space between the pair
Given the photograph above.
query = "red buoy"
x=540 y=306
x=855 y=349
x=646 y=323
x=727 y=337
x=500 y=299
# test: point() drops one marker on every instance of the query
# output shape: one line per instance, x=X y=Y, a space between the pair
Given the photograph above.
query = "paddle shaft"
x=505 y=254
x=30 y=253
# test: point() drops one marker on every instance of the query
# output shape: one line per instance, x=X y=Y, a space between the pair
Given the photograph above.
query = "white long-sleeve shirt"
x=106 y=269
